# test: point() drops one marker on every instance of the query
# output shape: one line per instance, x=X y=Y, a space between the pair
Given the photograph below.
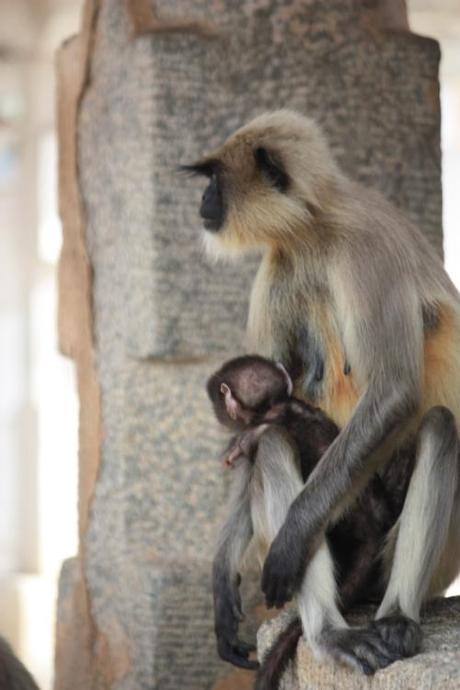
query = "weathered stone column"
x=144 y=87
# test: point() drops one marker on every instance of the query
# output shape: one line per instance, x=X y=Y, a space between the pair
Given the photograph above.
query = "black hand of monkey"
x=284 y=567
x=228 y=614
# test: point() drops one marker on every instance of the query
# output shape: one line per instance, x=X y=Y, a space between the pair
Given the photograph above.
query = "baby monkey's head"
x=265 y=183
x=245 y=388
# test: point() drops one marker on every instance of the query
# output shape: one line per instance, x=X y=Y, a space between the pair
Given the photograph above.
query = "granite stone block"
x=161 y=488
x=157 y=615
x=437 y=667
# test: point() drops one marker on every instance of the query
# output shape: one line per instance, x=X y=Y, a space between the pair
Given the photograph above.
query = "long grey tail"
x=277 y=658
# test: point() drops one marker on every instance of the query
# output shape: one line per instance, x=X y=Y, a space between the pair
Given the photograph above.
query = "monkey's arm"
x=232 y=452
x=386 y=349
x=243 y=446
x=234 y=539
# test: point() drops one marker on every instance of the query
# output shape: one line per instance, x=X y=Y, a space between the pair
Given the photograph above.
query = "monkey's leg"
x=276 y=483
x=326 y=631
x=233 y=541
x=424 y=542
x=427 y=528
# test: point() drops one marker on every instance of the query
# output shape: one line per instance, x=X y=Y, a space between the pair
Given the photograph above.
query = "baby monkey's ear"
x=289 y=384
x=232 y=405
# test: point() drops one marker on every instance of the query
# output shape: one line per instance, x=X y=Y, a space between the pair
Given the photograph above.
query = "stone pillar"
x=144 y=87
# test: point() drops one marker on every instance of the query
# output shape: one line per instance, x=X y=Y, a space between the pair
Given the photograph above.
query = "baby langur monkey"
x=249 y=393
x=252 y=396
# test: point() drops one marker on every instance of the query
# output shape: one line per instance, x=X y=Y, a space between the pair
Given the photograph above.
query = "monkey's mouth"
x=212 y=224
x=212 y=205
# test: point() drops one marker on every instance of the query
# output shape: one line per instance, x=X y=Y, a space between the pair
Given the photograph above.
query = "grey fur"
x=308 y=350
x=233 y=541
x=343 y=266
x=261 y=497
x=237 y=530
x=428 y=515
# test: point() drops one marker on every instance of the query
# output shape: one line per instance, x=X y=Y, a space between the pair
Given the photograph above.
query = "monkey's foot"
x=237 y=652
x=366 y=650
x=400 y=633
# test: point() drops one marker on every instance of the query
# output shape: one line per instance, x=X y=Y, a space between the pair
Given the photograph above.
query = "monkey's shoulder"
x=308 y=429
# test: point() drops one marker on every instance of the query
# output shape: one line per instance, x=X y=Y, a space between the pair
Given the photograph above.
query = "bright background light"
x=38 y=401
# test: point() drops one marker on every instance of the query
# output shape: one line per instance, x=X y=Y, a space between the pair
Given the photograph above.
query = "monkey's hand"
x=232 y=453
x=228 y=614
x=290 y=553
x=284 y=567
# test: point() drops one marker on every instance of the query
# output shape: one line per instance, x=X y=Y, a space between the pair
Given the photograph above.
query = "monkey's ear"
x=232 y=406
x=289 y=384
x=272 y=168
x=205 y=168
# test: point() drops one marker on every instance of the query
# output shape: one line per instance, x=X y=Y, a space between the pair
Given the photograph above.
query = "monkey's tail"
x=275 y=661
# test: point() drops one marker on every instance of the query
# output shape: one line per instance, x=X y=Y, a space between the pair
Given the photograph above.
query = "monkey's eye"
x=272 y=169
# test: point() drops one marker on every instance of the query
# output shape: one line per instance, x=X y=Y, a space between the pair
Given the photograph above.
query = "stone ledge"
x=437 y=667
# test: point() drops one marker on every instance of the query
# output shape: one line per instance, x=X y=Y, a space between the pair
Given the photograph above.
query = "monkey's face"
x=244 y=389
x=263 y=183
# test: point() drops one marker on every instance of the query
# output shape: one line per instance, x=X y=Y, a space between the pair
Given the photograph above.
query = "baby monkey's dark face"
x=245 y=388
x=212 y=208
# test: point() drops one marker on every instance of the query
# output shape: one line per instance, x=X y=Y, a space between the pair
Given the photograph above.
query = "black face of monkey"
x=269 y=170
x=212 y=204
x=212 y=207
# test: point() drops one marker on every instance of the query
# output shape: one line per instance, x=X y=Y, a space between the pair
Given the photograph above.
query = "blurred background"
x=38 y=403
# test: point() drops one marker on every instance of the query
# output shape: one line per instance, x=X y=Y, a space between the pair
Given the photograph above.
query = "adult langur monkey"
x=351 y=298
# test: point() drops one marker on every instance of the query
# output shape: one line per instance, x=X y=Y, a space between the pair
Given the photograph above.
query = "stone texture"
x=437 y=667
x=167 y=625
x=161 y=489
x=146 y=317
x=74 y=667
x=159 y=498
